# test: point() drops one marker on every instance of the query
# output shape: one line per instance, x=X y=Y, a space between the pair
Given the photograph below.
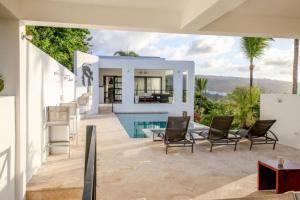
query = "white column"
x=14 y=187
x=128 y=86
x=95 y=90
x=177 y=85
x=21 y=111
x=191 y=89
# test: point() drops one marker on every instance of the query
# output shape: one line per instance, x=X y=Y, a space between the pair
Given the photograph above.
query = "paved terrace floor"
x=138 y=169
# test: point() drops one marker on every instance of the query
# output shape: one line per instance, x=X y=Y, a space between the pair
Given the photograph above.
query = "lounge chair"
x=219 y=132
x=176 y=131
x=259 y=133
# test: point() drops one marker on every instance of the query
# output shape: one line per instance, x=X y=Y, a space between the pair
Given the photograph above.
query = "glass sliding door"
x=139 y=83
x=112 y=89
x=147 y=85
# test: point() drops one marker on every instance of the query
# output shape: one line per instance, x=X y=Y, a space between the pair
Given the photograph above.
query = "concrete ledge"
x=55 y=193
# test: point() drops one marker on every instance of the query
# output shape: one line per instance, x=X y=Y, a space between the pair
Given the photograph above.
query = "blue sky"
x=213 y=55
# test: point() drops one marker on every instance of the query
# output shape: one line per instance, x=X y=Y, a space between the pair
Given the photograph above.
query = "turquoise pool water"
x=135 y=123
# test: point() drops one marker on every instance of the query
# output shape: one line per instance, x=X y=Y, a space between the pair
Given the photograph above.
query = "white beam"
x=201 y=13
x=87 y=15
x=12 y=6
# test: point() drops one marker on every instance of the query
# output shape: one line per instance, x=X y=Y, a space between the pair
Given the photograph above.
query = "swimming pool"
x=135 y=123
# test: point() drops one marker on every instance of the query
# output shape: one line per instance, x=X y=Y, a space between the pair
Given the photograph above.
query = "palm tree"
x=126 y=53
x=200 y=84
x=254 y=48
x=295 y=66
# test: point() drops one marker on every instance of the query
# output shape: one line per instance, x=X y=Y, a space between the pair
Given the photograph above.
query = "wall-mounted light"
x=279 y=100
x=27 y=37
x=65 y=76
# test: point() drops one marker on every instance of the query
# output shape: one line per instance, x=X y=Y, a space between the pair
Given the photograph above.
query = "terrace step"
x=105 y=108
x=54 y=193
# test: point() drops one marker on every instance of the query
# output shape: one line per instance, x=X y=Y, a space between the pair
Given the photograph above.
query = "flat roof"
x=132 y=57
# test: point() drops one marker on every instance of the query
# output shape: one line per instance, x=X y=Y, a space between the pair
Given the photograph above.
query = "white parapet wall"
x=7 y=147
x=284 y=108
x=49 y=83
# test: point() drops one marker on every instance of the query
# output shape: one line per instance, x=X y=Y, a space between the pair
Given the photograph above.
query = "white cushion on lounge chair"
x=243 y=132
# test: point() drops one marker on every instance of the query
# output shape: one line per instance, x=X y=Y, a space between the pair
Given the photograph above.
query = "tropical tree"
x=253 y=48
x=200 y=85
x=60 y=43
x=244 y=99
x=295 y=66
x=126 y=53
x=200 y=99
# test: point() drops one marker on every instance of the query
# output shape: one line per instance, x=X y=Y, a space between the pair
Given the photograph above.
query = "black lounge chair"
x=219 y=132
x=176 y=131
x=259 y=133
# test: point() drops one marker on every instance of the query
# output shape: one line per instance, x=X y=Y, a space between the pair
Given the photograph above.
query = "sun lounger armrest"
x=191 y=137
x=216 y=130
x=273 y=134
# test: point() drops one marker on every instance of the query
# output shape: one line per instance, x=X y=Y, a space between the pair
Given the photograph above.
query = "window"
x=154 y=84
x=148 y=84
x=185 y=87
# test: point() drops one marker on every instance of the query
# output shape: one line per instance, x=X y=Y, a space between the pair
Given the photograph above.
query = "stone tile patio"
x=139 y=168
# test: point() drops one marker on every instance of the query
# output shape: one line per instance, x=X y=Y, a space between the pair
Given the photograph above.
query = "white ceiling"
x=174 y=5
x=270 y=18
x=5 y=13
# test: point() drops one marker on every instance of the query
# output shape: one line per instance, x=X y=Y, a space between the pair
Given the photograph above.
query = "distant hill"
x=224 y=84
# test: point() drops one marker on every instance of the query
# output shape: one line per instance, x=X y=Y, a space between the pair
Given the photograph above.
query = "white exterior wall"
x=29 y=76
x=46 y=87
x=79 y=59
x=128 y=66
x=7 y=147
x=284 y=108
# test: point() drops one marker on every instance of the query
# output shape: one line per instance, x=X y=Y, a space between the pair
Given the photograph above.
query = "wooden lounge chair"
x=259 y=133
x=219 y=132
x=176 y=131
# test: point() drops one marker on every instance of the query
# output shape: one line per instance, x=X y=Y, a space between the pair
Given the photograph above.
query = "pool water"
x=135 y=123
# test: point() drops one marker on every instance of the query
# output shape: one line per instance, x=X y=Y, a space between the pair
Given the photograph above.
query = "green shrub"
x=1 y=83
x=242 y=103
x=246 y=105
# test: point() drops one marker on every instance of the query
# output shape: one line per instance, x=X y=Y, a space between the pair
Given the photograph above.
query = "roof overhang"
x=269 y=18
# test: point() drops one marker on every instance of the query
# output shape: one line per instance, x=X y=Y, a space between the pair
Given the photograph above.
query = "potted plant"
x=1 y=83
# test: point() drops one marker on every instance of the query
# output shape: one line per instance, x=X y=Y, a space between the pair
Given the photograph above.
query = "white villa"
x=137 y=84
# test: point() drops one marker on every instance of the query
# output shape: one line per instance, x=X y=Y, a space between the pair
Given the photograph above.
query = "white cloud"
x=149 y=44
x=276 y=63
x=209 y=45
x=107 y=42
x=214 y=55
